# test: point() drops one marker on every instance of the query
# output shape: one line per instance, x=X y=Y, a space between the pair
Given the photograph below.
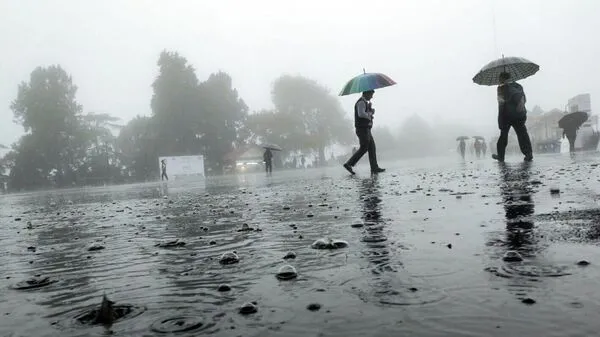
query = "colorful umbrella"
x=366 y=82
x=573 y=120
x=518 y=68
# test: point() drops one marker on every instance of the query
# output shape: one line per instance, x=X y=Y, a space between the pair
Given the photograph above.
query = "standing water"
x=430 y=248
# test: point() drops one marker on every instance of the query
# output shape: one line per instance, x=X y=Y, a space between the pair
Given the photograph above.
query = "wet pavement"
x=429 y=248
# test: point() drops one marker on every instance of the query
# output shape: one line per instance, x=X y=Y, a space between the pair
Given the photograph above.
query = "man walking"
x=163 y=166
x=268 y=158
x=363 y=122
x=571 y=133
x=512 y=113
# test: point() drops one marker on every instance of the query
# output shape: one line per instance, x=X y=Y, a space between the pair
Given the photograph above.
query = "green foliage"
x=307 y=117
x=223 y=114
x=63 y=146
x=176 y=106
x=138 y=148
x=195 y=117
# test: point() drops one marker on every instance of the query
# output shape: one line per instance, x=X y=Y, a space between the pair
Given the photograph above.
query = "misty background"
x=432 y=49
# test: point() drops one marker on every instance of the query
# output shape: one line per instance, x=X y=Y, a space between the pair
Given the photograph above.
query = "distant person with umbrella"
x=483 y=147
x=363 y=116
x=570 y=123
x=462 y=146
x=268 y=158
x=477 y=146
x=163 y=168
x=505 y=72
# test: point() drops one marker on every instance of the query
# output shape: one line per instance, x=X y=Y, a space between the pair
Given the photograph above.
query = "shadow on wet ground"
x=430 y=248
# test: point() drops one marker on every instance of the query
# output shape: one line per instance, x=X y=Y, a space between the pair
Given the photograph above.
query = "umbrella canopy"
x=573 y=120
x=366 y=82
x=478 y=138
x=462 y=138
x=272 y=147
x=518 y=68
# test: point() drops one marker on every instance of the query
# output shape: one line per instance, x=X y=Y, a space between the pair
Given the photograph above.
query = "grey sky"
x=432 y=48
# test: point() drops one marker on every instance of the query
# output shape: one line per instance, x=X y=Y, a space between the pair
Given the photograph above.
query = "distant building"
x=544 y=131
x=581 y=102
x=546 y=136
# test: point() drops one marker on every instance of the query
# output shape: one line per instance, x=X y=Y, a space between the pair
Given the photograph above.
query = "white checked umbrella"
x=518 y=68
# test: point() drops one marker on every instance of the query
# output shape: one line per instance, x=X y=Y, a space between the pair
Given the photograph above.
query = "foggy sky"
x=432 y=48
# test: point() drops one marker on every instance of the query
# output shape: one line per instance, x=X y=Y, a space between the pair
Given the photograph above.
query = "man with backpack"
x=512 y=113
x=363 y=122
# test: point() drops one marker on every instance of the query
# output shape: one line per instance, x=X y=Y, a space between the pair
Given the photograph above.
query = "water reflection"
x=516 y=190
x=376 y=251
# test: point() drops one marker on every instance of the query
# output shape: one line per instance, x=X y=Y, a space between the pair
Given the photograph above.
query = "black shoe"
x=528 y=157
x=378 y=170
x=349 y=168
x=495 y=156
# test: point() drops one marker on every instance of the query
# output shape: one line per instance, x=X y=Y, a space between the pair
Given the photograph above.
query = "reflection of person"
x=163 y=168
x=268 y=158
x=370 y=195
x=512 y=113
x=363 y=122
x=483 y=147
x=518 y=203
x=571 y=133
x=462 y=146
x=477 y=147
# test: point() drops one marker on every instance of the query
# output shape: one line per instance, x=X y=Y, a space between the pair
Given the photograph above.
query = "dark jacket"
x=267 y=156
x=512 y=108
x=360 y=122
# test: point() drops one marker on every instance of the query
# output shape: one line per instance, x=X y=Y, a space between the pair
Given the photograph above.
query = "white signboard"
x=182 y=166
x=580 y=103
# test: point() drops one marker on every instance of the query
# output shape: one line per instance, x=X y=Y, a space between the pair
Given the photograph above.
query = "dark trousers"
x=268 y=166
x=367 y=144
x=522 y=136
x=164 y=176
x=571 y=136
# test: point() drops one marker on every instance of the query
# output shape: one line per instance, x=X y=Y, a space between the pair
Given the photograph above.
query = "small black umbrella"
x=573 y=120
x=273 y=147
x=462 y=138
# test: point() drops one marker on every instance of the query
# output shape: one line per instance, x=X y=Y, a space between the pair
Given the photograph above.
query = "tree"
x=47 y=110
x=223 y=115
x=101 y=163
x=176 y=106
x=195 y=117
x=62 y=146
x=316 y=118
x=137 y=144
